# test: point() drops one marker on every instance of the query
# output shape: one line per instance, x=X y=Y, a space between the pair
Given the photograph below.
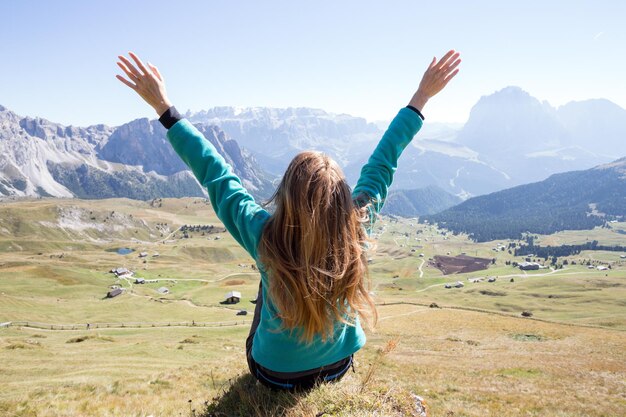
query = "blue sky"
x=359 y=57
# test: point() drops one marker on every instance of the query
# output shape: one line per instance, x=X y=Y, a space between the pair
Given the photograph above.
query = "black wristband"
x=419 y=113
x=170 y=117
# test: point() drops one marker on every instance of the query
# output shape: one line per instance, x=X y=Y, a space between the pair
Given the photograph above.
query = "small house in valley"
x=163 y=290
x=122 y=272
x=114 y=293
x=528 y=266
x=232 y=297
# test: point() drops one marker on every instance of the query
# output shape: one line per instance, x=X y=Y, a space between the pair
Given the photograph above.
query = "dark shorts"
x=300 y=380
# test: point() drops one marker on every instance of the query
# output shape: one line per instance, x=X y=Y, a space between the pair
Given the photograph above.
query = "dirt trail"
x=421 y=310
x=209 y=280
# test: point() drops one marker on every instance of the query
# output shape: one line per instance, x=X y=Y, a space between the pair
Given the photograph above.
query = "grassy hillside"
x=473 y=356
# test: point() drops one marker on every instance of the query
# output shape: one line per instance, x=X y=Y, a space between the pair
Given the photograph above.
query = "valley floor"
x=475 y=355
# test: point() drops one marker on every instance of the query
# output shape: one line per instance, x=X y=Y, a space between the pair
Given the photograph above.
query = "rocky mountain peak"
x=511 y=121
x=42 y=158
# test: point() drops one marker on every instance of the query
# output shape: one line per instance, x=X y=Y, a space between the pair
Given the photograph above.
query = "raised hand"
x=147 y=81
x=436 y=77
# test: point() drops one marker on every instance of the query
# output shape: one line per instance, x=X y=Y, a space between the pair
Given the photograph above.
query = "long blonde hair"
x=313 y=249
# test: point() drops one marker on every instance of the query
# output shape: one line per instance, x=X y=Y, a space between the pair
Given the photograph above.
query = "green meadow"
x=182 y=353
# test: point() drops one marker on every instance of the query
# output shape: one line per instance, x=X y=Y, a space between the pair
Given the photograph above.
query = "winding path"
x=208 y=280
x=419 y=268
x=421 y=310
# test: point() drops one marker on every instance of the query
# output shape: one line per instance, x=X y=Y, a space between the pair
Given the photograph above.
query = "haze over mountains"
x=511 y=138
x=527 y=141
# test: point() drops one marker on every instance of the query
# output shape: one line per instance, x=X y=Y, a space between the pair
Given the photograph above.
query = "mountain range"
x=526 y=140
x=511 y=138
x=134 y=160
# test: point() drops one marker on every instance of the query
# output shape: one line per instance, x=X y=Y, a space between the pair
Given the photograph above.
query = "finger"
x=451 y=60
x=139 y=63
x=125 y=81
x=156 y=72
x=451 y=76
x=452 y=66
x=445 y=58
x=433 y=62
x=130 y=66
x=130 y=75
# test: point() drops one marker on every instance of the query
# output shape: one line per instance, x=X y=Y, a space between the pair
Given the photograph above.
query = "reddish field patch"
x=459 y=264
x=234 y=282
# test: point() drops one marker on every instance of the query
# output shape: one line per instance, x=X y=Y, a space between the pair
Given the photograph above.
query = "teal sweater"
x=275 y=348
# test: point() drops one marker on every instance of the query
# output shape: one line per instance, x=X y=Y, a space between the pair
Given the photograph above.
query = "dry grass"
x=244 y=397
x=463 y=363
x=470 y=358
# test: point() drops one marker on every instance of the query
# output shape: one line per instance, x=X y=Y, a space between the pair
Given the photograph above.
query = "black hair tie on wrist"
x=419 y=113
x=170 y=117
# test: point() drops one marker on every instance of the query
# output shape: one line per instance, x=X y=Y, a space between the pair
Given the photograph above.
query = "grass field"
x=474 y=356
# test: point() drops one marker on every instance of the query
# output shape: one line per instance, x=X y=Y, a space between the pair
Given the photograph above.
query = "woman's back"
x=313 y=286
x=278 y=343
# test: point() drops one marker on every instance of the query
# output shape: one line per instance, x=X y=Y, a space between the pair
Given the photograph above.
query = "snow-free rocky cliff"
x=42 y=158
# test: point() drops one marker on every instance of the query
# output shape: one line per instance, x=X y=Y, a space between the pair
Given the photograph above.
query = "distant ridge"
x=412 y=203
x=567 y=201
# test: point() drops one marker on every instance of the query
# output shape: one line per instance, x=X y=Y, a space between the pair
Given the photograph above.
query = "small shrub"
x=521 y=337
x=80 y=339
x=17 y=345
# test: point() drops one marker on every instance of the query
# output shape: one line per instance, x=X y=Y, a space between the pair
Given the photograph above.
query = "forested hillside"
x=572 y=200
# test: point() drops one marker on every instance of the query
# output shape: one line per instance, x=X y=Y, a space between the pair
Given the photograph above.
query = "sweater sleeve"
x=235 y=207
x=377 y=175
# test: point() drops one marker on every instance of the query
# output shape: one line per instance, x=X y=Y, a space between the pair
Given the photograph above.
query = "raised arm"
x=234 y=206
x=377 y=174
